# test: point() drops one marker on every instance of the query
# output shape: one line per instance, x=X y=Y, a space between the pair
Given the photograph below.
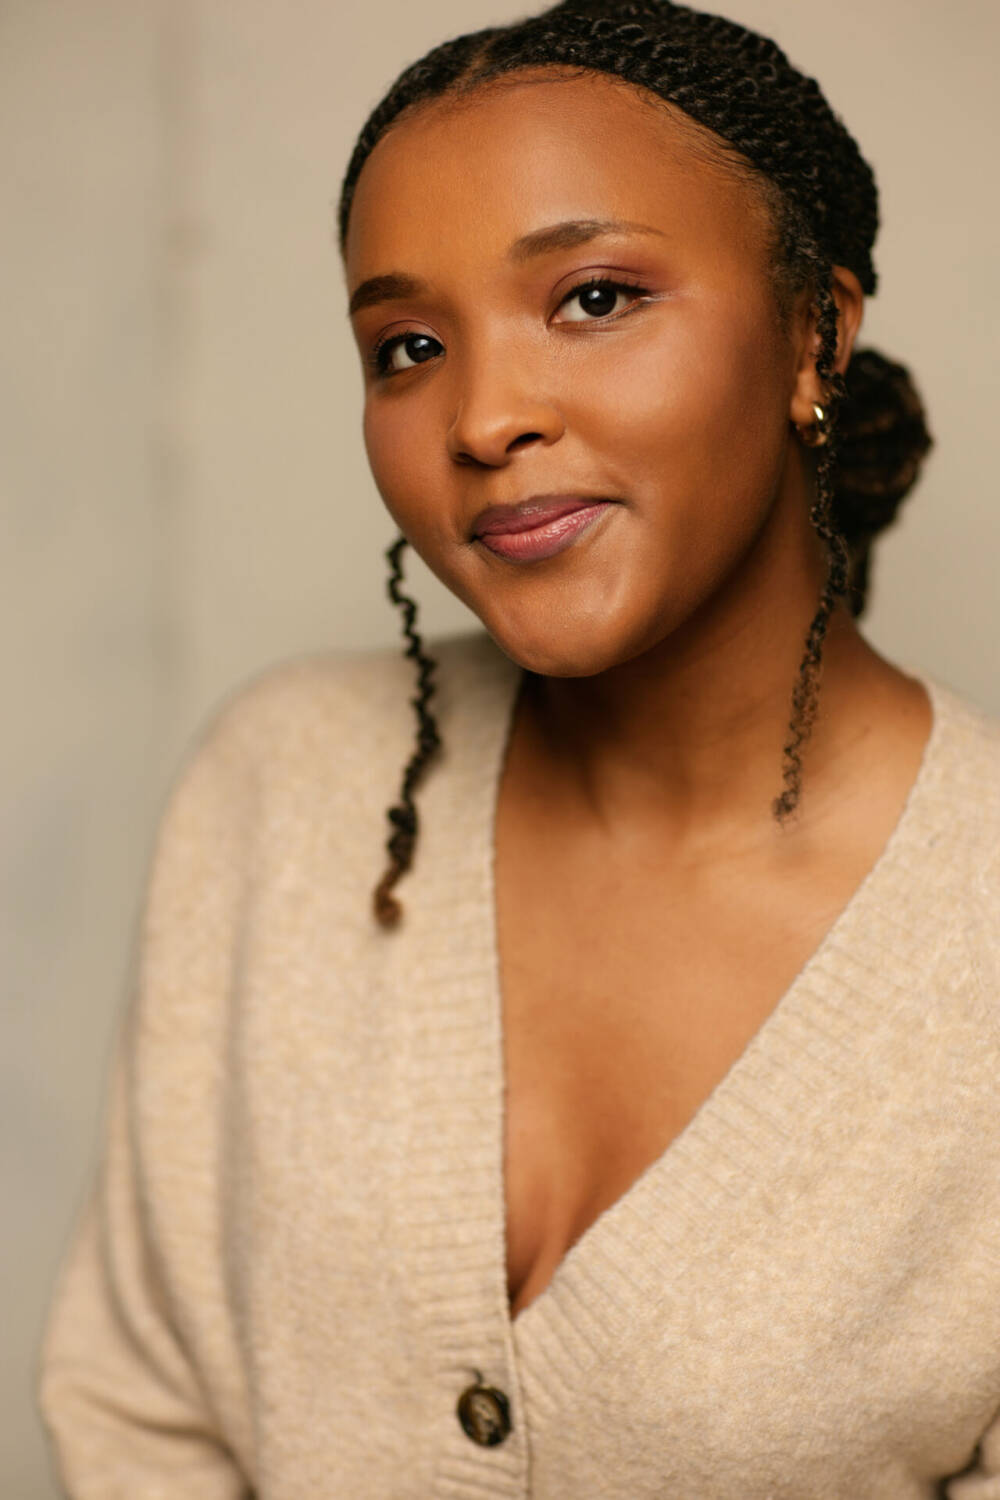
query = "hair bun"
x=882 y=439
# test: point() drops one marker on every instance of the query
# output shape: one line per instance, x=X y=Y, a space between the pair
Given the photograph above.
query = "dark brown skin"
x=650 y=911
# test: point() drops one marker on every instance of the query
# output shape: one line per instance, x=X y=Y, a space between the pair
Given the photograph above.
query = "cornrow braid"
x=737 y=84
x=771 y=124
x=403 y=816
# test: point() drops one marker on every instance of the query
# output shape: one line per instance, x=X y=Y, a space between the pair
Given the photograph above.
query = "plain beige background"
x=185 y=491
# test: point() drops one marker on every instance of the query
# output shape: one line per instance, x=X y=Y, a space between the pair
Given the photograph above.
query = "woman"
x=652 y=1151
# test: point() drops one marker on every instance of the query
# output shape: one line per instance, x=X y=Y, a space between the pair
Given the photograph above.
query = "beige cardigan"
x=292 y=1266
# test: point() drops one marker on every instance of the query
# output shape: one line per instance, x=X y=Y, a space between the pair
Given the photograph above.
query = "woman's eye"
x=416 y=347
x=599 y=299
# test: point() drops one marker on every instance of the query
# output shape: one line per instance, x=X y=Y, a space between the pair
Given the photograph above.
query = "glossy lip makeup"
x=538 y=530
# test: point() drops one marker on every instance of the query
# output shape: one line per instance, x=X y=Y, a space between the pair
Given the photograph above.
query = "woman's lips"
x=531 y=542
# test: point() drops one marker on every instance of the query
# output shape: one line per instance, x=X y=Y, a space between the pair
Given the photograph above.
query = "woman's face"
x=492 y=379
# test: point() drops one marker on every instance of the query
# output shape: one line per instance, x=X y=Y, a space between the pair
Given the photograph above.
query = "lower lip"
x=546 y=540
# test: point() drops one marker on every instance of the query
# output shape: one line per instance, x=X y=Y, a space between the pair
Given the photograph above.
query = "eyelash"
x=379 y=354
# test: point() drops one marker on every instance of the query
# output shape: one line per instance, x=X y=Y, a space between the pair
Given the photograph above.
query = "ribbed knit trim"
x=453 y=1058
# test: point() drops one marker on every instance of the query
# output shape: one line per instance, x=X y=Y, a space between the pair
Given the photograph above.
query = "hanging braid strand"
x=403 y=816
x=805 y=695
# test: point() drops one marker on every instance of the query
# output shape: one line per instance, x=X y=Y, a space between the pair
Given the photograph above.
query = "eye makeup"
x=378 y=358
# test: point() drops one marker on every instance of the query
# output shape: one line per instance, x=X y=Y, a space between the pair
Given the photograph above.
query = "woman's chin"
x=566 y=649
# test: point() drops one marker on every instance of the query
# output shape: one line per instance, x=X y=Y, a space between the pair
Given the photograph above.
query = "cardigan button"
x=484 y=1413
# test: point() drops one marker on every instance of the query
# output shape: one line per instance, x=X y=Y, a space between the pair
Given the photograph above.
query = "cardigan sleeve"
x=127 y=1415
x=139 y=1378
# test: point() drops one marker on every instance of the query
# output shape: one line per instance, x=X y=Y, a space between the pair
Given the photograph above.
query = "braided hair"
x=773 y=125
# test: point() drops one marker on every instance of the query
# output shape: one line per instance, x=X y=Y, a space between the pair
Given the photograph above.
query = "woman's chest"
x=625 y=1002
x=778 y=1310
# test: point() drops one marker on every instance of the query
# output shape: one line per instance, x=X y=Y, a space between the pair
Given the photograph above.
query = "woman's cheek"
x=648 y=396
x=410 y=467
x=394 y=459
x=384 y=457
x=707 y=406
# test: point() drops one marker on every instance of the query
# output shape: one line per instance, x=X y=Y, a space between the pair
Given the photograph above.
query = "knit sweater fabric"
x=292 y=1263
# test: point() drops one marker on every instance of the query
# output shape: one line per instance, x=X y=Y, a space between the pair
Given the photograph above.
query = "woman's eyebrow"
x=391 y=287
x=395 y=285
x=572 y=232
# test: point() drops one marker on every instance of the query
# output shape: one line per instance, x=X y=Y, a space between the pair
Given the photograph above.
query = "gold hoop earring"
x=818 y=434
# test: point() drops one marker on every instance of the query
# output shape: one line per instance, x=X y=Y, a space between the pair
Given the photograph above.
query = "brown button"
x=484 y=1413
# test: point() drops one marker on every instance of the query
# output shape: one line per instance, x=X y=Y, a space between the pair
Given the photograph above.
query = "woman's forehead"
x=528 y=150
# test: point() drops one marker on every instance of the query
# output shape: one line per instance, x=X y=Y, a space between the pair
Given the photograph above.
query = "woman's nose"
x=496 y=416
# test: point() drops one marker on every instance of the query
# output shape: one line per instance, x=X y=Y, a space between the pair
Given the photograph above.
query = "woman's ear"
x=808 y=390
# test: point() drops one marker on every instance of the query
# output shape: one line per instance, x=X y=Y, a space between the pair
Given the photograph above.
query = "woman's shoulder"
x=310 y=752
x=964 y=752
x=338 y=693
x=345 y=714
x=960 y=804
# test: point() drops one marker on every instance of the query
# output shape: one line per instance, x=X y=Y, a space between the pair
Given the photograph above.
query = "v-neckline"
x=734 y=1091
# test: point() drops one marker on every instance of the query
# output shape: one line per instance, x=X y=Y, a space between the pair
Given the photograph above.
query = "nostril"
x=490 y=435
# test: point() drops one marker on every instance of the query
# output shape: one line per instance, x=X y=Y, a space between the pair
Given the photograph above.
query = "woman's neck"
x=690 y=736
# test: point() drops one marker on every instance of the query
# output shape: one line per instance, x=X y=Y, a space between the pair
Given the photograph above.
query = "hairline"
x=712 y=149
